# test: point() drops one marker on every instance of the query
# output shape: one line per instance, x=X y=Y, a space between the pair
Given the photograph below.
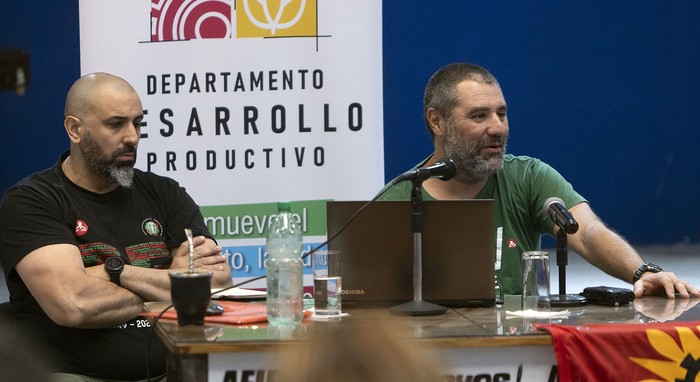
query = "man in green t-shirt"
x=466 y=114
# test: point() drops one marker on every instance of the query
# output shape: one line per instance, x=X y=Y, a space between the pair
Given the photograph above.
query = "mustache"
x=128 y=149
x=495 y=142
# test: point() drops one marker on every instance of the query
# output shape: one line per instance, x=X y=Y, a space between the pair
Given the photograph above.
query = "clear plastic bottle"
x=284 y=269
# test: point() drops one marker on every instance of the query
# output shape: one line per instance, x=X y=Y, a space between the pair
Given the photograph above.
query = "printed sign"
x=250 y=102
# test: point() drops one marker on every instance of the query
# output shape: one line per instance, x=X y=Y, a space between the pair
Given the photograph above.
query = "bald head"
x=85 y=91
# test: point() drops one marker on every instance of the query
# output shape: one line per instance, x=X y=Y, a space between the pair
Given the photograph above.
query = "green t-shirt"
x=519 y=191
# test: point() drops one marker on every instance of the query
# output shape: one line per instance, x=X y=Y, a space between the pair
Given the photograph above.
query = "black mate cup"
x=191 y=293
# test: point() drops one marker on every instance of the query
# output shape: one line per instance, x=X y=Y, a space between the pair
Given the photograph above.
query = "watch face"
x=654 y=268
x=114 y=263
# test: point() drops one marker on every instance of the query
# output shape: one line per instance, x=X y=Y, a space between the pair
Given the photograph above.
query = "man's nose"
x=497 y=125
x=132 y=135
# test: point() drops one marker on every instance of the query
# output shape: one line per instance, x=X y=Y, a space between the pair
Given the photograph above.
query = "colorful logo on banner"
x=176 y=20
x=653 y=352
x=682 y=361
x=282 y=18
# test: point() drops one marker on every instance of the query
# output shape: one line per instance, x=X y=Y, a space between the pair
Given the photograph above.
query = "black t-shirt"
x=141 y=224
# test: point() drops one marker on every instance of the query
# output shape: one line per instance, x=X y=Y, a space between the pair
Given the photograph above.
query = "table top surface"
x=458 y=327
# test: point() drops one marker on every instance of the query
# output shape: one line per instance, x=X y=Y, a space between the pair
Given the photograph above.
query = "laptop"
x=458 y=252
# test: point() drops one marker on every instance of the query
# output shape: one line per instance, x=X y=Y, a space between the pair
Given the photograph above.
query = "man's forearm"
x=609 y=252
x=149 y=283
x=154 y=284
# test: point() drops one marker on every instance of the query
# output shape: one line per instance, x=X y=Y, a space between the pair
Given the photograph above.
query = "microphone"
x=444 y=169
x=556 y=210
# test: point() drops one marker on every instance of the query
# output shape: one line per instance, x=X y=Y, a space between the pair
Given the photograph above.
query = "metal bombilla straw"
x=188 y=233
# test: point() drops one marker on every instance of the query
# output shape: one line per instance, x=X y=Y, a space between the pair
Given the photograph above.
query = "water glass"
x=535 y=291
x=327 y=265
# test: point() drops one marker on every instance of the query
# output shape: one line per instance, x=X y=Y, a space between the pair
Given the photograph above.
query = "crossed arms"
x=75 y=296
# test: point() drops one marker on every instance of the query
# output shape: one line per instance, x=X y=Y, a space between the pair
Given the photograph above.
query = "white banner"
x=250 y=102
x=497 y=364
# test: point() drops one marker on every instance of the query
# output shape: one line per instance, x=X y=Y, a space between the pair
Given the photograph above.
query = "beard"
x=472 y=167
x=107 y=165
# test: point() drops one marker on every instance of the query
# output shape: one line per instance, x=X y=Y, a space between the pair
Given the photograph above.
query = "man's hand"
x=666 y=282
x=207 y=255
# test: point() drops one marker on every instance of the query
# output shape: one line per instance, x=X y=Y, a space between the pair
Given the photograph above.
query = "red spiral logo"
x=173 y=20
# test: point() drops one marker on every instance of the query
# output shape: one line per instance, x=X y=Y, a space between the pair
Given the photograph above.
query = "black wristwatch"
x=646 y=267
x=114 y=267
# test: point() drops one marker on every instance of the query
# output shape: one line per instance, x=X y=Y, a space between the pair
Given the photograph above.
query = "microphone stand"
x=563 y=299
x=417 y=307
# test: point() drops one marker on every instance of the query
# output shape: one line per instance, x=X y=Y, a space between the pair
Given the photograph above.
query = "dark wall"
x=606 y=92
x=32 y=125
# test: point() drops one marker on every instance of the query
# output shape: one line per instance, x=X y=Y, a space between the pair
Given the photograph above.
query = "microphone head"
x=450 y=169
x=560 y=215
x=443 y=169
x=550 y=201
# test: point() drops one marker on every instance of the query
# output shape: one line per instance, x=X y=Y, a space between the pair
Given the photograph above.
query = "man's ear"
x=73 y=125
x=436 y=122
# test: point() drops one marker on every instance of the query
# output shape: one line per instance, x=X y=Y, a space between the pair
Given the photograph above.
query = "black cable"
x=347 y=223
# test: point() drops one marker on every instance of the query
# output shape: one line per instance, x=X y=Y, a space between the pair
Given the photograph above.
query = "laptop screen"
x=457 y=244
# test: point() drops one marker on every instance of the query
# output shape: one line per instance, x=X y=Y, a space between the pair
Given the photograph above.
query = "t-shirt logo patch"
x=152 y=227
x=512 y=243
x=81 y=228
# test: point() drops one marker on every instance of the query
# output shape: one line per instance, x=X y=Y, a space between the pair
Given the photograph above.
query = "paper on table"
x=238 y=294
x=530 y=313
x=326 y=317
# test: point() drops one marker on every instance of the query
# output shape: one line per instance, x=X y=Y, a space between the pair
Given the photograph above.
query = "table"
x=476 y=341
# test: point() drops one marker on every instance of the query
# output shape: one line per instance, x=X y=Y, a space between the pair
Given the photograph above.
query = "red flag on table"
x=627 y=352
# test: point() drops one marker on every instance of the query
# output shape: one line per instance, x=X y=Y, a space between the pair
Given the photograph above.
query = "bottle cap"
x=284 y=206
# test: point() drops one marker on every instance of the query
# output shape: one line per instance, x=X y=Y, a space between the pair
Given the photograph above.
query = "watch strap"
x=114 y=277
x=646 y=267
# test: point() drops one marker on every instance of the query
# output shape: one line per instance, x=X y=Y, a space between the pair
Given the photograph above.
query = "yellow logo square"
x=275 y=18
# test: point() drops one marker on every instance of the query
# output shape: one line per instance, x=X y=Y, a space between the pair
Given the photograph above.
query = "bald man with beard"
x=59 y=226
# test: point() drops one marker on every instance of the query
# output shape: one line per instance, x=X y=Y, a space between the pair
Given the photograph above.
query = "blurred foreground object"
x=359 y=350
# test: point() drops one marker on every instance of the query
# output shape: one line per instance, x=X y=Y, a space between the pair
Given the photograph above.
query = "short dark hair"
x=440 y=92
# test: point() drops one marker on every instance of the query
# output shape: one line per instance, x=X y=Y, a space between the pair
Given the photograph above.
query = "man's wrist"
x=114 y=267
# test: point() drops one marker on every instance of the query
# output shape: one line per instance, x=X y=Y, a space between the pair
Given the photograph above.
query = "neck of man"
x=81 y=175
x=453 y=188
